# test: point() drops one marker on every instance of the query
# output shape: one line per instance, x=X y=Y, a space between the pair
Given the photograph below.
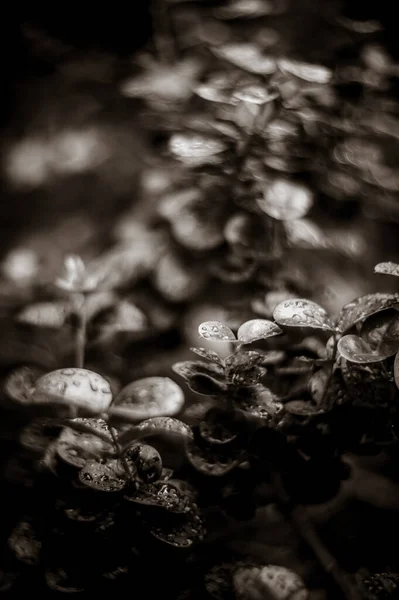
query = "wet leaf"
x=160 y=494
x=146 y=461
x=107 y=476
x=381 y=332
x=216 y=331
x=80 y=390
x=164 y=426
x=19 y=385
x=217 y=427
x=253 y=583
x=355 y=349
x=75 y=447
x=147 y=398
x=363 y=307
x=203 y=378
x=247 y=56
x=214 y=461
x=257 y=329
x=25 y=543
x=177 y=280
x=301 y=408
x=302 y=313
x=45 y=314
x=210 y=355
x=285 y=200
x=387 y=268
x=179 y=531
x=259 y=403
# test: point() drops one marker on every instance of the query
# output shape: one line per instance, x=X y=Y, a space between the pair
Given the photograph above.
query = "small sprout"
x=146 y=460
x=387 y=268
x=147 y=398
x=257 y=329
x=44 y=314
x=107 y=476
x=216 y=331
x=302 y=313
x=285 y=200
x=75 y=277
x=79 y=389
x=38 y=435
x=272 y=581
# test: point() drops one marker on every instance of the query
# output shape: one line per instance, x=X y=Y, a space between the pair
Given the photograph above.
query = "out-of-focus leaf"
x=285 y=200
x=308 y=72
x=38 y=435
x=45 y=314
x=180 y=532
x=387 y=268
x=303 y=233
x=177 y=280
x=363 y=307
x=247 y=56
x=233 y=268
x=195 y=148
x=59 y=580
x=367 y=384
x=245 y=9
x=217 y=331
x=271 y=581
x=254 y=94
x=25 y=543
x=75 y=277
x=104 y=476
x=301 y=408
x=302 y=313
x=249 y=236
x=259 y=404
x=257 y=329
x=20 y=384
x=217 y=427
x=147 y=398
x=355 y=349
x=212 y=460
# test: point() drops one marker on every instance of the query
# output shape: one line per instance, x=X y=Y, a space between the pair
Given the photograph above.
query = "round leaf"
x=363 y=307
x=44 y=314
x=164 y=426
x=355 y=349
x=210 y=355
x=257 y=329
x=217 y=428
x=210 y=460
x=106 y=476
x=161 y=495
x=180 y=532
x=75 y=448
x=308 y=72
x=216 y=331
x=271 y=581
x=20 y=384
x=147 y=398
x=300 y=312
x=285 y=200
x=387 y=268
x=125 y=316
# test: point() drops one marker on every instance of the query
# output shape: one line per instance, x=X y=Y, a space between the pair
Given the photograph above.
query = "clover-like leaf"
x=300 y=312
x=105 y=476
x=210 y=355
x=216 y=331
x=44 y=314
x=180 y=531
x=201 y=377
x=146 y=398
x=271 y=581
x=285 y=200
x=247 y=56
x=387 y=268
x=257 y=329
x=355 y=349
x=363 y=307
x=160 y=494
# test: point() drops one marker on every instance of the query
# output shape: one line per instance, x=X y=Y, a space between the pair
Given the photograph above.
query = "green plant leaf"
x=387 y=268
x=216 y=331
x=300 y=312
x=147 y=398
x=355 y=349
x=257 y=329
x=363 y=307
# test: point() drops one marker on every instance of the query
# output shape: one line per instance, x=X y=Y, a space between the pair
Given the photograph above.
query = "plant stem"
x=80 y=335
x=118 y=450
x=162 y=32
x=299 y=518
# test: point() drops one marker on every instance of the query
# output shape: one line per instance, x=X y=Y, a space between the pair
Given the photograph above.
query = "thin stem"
x=118 y=450
x=81 y=326
x=329 y=379
x=299 y=517
x=162 y=32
